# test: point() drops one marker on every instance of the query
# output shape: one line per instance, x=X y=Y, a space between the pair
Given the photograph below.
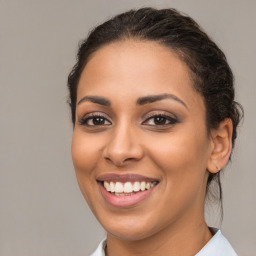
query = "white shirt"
x=217 y=246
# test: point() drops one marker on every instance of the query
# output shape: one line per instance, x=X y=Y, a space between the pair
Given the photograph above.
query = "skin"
x=177 y=154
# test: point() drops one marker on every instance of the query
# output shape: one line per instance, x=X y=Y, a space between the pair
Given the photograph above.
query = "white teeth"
x=119 y=188
x=112 y=187
x=107 y=186
x=136 y=186
x=143 y=185
x=127 y=188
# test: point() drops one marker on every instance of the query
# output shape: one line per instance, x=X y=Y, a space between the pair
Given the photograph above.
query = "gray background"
x=41 y=209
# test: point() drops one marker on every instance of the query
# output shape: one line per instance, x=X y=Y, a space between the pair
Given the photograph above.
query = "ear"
x=221 y=146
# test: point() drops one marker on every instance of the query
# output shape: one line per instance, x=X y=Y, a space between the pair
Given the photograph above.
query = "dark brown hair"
x=211 y=74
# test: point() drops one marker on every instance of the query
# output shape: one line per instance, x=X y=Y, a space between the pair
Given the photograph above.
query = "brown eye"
x=94 y=121
x=160 y=120
x=98 y=121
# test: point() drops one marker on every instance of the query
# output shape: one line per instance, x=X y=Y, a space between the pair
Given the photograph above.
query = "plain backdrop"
x=42 y=212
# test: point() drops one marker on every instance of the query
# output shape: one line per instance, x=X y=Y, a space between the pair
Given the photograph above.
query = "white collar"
x=218 y=245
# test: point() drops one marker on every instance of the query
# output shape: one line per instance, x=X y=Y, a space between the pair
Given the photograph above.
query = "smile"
x=125 y=190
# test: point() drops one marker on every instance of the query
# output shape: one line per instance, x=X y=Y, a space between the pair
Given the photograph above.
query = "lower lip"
x=125 y=201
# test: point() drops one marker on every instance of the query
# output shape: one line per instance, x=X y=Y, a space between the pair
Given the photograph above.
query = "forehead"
x=143 y=67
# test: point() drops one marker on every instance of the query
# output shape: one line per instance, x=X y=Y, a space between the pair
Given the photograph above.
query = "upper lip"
x=124 y=177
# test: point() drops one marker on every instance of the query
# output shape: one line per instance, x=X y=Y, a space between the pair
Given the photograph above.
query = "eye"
x=94 y=120
x=160 y=120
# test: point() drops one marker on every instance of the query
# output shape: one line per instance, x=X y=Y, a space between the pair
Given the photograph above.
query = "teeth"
x=123 y=194
x=112 y=186
x=136 y=186
x=127 y=188
x=119 y=188
x=107 y=186
x=143 y=185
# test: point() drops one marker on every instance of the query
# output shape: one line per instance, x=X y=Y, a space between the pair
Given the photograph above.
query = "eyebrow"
x=96 y=99
x=154 y=98
x=141 y=101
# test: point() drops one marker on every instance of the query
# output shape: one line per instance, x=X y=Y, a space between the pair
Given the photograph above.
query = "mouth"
x=125 y=190
x=128 y=188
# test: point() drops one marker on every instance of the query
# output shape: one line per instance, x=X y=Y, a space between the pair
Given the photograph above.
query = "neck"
x=177 y=239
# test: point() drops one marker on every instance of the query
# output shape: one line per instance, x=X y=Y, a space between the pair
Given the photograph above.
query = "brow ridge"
x=141 y=101
x=153 y=98
x=95 y=99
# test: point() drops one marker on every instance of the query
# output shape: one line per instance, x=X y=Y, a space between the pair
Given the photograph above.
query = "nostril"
x=120 y=151
x=120 y=161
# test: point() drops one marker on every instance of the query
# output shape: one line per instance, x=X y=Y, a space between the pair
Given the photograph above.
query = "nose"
x=123 y=146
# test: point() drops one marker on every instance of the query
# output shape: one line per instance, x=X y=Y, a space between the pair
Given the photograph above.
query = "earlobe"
x=221 y=138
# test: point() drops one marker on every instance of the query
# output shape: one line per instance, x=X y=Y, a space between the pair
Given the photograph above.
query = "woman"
x=155 y=120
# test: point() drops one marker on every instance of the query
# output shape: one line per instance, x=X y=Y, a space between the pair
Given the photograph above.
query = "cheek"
x=182 y=163
x=182 y=158
x=181 y=149
x=85 y=151
x=85 y=156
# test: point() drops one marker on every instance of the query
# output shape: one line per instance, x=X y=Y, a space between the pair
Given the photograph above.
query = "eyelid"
x=171 y=118
x=156 y=113
x=85 y=117
x=159 y=113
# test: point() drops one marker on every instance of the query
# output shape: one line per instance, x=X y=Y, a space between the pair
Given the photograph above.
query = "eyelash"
x=166 y=118
x=93 y=118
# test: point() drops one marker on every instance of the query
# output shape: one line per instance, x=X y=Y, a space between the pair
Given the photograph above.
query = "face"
x=140 y=146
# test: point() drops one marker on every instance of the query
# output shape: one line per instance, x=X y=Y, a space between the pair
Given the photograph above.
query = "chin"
x=128 y=228
x=130 y=234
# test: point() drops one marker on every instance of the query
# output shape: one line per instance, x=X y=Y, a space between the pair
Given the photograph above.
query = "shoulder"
x=218 y=245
